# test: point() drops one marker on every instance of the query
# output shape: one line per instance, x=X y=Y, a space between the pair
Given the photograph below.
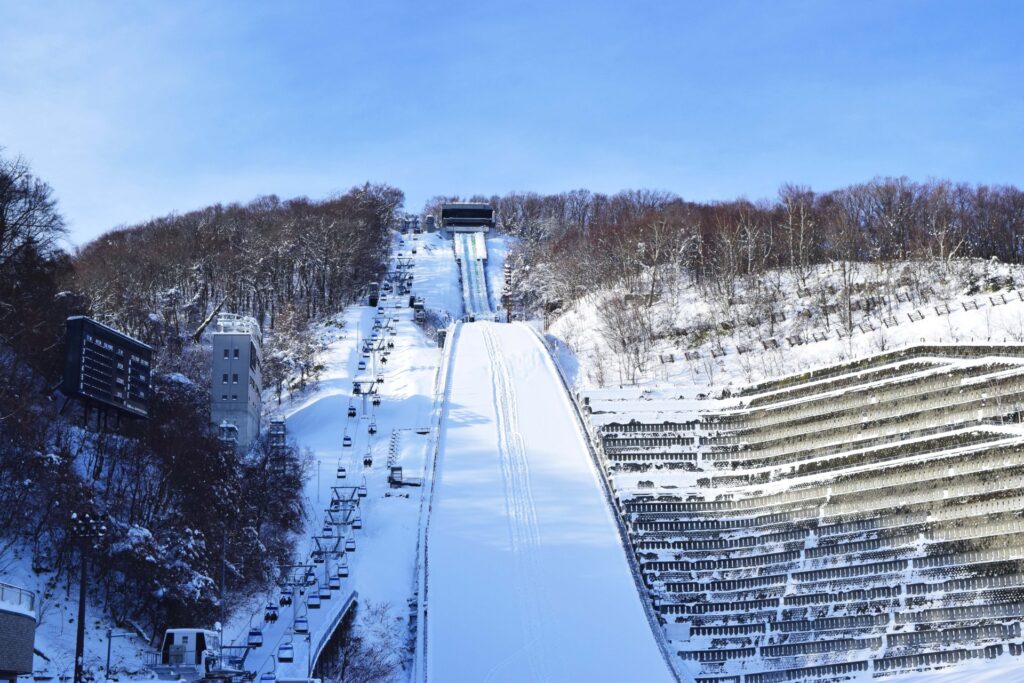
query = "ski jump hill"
x=528 y=579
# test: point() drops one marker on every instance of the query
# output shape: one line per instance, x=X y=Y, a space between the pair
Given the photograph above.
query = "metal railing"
x=442 y=387
x=17 y=597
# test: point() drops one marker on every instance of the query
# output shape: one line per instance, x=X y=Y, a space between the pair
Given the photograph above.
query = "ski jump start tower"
x=468 y=223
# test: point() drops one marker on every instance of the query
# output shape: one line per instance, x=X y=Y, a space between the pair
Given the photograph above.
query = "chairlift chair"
x=351 y=411
x=343 y=570
x=341 y=472
x=350 y=545
x=376 y=399
x=362 y=365
x=328 y=529
x=301 y=625
x=286 y=653
x=367 y=460
x=325 y=591
x=346 y=441
x=334 y=582
x=372 y=429
x=357 y=523
x=285 y=599
x=268 y=677
x=313 y=601
x=255 y=638
x=362 y=491
x=270 y=614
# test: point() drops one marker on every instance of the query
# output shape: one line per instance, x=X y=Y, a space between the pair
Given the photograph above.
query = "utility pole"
x=83 y=527
x=223 y=583
x=80 y=636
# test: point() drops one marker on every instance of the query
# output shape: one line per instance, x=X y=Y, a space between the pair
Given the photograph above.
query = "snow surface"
x=1002 y=670
x=527 y=577
x=437 y=274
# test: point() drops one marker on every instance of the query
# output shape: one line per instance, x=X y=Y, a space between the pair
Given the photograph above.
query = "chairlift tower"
x=277 y=438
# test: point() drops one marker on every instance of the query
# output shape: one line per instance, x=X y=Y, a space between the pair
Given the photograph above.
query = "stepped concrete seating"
x=819 y=519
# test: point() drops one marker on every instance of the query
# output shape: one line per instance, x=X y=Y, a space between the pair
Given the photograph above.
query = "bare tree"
x=28 y=212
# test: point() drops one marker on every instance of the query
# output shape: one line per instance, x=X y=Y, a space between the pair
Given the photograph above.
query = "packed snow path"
x=526 y=576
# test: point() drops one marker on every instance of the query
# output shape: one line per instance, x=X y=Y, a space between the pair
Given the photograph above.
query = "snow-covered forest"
x=182 y=516
x=646 y=273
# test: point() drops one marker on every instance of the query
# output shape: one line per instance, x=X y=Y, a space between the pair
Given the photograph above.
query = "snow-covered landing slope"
x=527 y=579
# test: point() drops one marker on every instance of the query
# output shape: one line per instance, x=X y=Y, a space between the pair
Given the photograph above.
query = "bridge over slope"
x=526 y=575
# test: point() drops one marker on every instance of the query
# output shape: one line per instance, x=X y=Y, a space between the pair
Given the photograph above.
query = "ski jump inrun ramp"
x=471 y=252
x=527 y=579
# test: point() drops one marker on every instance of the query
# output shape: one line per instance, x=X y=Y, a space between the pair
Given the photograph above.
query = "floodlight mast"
x=84 y=527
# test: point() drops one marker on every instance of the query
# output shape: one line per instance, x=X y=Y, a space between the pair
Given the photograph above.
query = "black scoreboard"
x=103 y=365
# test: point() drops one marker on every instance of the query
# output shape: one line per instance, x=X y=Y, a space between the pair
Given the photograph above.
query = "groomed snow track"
x=526 y=578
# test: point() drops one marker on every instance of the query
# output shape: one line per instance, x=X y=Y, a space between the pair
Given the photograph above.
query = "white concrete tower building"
x=236 y=379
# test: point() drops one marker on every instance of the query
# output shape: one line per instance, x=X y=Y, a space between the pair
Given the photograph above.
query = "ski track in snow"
x=524 y=531
x=528 y=577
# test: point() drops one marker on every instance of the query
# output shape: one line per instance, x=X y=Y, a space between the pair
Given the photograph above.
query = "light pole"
x=309 y=654
x=83 y=527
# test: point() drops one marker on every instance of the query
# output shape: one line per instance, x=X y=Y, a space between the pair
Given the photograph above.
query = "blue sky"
x=136 y=109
